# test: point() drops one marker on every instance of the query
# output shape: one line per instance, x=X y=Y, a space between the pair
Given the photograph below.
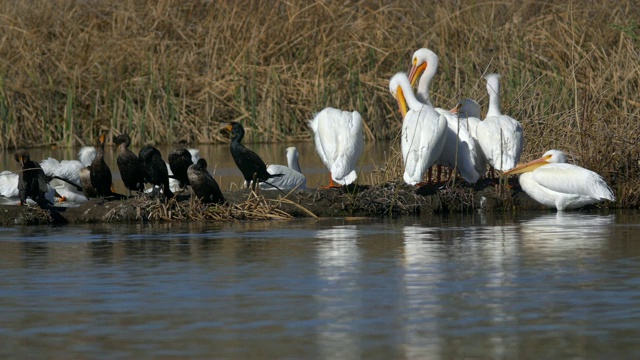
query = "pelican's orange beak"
x=530 y=166
x=402 y=102
x=456 y=109
x=416 y=72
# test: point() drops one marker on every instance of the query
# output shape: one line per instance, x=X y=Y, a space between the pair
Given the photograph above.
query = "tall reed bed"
x=169 y=70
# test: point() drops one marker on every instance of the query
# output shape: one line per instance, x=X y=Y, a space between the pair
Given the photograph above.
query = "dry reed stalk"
x=255 y=207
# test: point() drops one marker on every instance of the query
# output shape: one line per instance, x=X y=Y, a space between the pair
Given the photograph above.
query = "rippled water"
x=538 y=285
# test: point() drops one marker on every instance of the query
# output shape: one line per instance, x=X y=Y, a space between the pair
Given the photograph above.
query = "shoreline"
x=392 y=199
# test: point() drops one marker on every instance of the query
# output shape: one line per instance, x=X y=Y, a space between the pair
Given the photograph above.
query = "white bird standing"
x=292 y=177
x=459 y=148
x=554 y=183
x=339 y=142
x=423 y=130
x=500 y=136
x=69 y=170
x=468 y=111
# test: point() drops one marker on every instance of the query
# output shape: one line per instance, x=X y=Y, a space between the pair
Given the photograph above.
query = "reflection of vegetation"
x=631 y=29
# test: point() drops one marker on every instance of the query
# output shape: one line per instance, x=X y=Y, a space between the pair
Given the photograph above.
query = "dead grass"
x=255 y=207
x=168 y=70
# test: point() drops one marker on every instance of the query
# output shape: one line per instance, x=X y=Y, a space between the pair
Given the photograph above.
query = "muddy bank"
x=389 y=200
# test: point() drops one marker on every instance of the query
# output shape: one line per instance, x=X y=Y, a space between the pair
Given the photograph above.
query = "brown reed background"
x=170 y=70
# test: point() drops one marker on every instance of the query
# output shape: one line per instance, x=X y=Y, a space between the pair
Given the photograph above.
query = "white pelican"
x=292 y=177
x=459 y=149
x=500 y=136
x=423 y=130
x=339 y=142
x=66 y=175
x=468 y=111
x=554 y=183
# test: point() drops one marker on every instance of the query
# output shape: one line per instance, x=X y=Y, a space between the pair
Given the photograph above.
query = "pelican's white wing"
x=574 y=180
x=69 y=170
x=471 y=125
x=87 y=154
x=289 y=180
x=195 y=155
x=501 y=140
x=460 y=142
x=9 y=184
x=339 y=142
x=422 y=140
x=49 y=166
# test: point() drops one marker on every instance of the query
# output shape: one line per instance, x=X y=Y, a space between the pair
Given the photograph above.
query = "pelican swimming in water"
x=292 y=177
x=500 y=136
x=423 y=131
x=552 y=182
x=339 y=142
x=459 y=149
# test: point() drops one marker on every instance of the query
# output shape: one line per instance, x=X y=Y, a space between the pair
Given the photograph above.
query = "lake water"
x=535 y=285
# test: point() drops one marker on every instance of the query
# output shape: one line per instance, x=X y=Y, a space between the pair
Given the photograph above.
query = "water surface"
x=536 y=285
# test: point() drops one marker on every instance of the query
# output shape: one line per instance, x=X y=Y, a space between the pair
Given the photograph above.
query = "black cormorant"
x=204 y=186
x=179 y=162
x=100 y=174
x=31 y=180
x=249 y=163
x=129 y=165
x=155 y=169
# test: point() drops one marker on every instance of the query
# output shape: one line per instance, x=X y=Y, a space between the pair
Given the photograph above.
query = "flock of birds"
x=455 y=138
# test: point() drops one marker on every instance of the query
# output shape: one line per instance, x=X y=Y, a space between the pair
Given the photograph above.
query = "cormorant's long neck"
x=237 y=138
x=100 y=152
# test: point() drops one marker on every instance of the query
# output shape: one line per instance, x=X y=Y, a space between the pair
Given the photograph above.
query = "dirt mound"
x=388 y=200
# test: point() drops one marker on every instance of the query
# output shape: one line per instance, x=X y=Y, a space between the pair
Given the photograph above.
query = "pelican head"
x=467 y=108
x=423 y=60
x=396 y=85
x=551 y=156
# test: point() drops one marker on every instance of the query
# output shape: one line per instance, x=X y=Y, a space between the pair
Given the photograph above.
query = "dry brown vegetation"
x=170 y=69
